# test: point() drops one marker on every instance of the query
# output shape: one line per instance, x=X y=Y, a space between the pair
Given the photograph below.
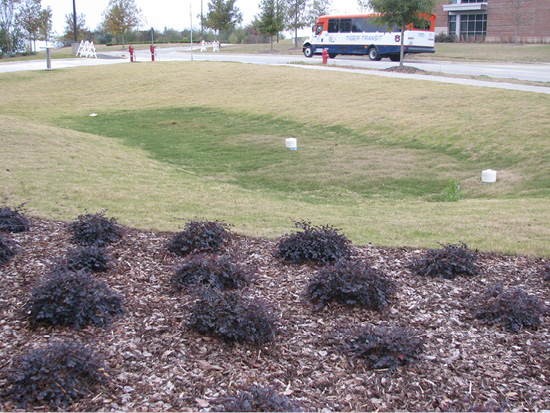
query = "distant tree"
x=518 y=15
x=45 y=26
x=271 y=18
x=296 y=17
x=222 y=16
x=363 y=5
x=28 y=19
x=400 y=13
x=253 y=33
x=83 y=32
x=318 y=8
x=239 y=36
x=121 y=16
x=8 y=11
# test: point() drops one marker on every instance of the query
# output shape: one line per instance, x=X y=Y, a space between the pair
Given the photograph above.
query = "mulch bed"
x=405 y=69
x=155 y=363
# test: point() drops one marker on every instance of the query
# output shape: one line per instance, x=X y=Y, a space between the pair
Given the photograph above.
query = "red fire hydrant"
x=325 y=56
x=152 y=48
x=131 y=50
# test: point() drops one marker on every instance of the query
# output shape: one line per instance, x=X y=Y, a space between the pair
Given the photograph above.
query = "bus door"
x=320 y=34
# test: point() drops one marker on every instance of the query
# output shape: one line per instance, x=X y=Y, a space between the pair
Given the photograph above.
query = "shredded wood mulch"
x=405 y=69
x=154 y=362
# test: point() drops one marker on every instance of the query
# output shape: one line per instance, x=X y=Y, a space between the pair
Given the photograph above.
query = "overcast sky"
x=173 y=14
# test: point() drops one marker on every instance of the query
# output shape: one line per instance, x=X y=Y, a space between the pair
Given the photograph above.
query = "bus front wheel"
x=308 y=50
x=373 y=54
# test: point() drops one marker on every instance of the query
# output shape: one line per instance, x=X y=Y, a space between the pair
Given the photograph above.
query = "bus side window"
x=345 y=25
x=357 y=25
x=333 y=25
x=369 y=26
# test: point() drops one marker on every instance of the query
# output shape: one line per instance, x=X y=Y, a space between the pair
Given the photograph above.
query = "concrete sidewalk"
x=7 y=67
x=440 y=79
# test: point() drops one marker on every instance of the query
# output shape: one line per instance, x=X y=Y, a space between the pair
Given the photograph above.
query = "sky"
x=174 y=14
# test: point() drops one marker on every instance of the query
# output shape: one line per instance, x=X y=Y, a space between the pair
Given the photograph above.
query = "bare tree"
x=81 y=29
x=518 y=15
x=318 y=8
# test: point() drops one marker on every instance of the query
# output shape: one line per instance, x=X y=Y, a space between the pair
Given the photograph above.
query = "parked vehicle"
x=358 y=34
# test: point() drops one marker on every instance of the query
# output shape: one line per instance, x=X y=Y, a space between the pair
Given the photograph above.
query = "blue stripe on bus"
x=363 y=49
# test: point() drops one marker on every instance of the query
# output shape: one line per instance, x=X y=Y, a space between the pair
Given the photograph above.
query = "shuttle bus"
x=357 y=34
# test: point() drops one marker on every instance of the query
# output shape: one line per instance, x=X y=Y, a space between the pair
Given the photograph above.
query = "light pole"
x=74 y=22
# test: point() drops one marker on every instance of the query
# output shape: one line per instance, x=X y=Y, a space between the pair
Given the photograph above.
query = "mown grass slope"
x=176 y=140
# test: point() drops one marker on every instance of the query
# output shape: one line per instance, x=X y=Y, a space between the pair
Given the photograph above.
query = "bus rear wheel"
x=395 y=57
x=308 y=50
x=373 y=53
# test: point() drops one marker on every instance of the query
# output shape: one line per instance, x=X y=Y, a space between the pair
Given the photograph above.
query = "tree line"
x=23 y=22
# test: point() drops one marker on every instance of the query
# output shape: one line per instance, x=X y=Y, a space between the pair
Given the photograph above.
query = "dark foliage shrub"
x=200 y=236
x=317 y=244
x=73 y=299
x=7 y=250
x=219 y=272
x=445 y=38
x=260 y=399
x=89 y=258
x=448 y=262
x=232 y=317
x=56 y=375
x=95 y=229
x=384 y=347
x=512 y=307
x=351 y=283
x=11 y=220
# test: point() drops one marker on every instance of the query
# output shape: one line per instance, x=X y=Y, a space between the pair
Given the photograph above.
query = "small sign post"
x=48 y=57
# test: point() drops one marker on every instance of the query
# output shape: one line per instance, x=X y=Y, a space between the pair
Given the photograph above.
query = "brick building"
x=495 y=20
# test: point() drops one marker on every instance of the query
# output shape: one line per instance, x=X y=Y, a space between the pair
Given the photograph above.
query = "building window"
x=452 y=25
x=468 y=27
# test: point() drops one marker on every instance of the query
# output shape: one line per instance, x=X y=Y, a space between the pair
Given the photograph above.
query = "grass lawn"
x=177 y=140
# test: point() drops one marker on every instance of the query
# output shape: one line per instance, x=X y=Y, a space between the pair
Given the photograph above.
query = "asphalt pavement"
x=443 y=71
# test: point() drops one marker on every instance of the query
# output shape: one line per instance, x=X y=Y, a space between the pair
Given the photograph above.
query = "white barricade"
x=86 y=49
x=214 y=45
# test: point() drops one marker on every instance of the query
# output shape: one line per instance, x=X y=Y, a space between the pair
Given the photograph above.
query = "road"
x=524 y=72
x=528 y=72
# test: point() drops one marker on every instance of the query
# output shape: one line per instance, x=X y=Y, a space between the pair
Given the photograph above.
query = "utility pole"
x=74 y=22
x=191 y=19
x=202 y=26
